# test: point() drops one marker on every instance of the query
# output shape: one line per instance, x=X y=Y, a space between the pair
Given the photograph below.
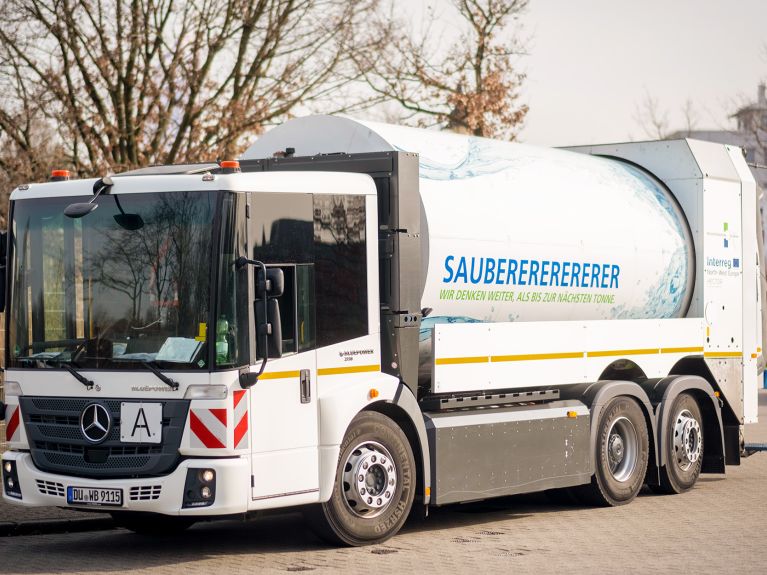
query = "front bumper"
x=152 y=494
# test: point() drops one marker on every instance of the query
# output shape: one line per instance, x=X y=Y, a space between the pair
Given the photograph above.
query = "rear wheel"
x=622 y=450
x=153 y=524
x=684 y=446
x=374 y=486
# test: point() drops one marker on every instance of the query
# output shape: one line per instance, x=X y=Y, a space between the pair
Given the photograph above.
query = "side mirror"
x=271 y=327
x=270 y=284
x=130 y=222
x=248 y=378
x=3 y=262
x=274 y=286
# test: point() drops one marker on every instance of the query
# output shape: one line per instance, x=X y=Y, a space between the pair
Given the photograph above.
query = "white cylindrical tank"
x=519 y=233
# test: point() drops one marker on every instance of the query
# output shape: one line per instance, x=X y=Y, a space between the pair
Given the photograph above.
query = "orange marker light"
x=717 y=394
x=572 y=414
x=59 y=175
x=373 y=393
x=229 y=166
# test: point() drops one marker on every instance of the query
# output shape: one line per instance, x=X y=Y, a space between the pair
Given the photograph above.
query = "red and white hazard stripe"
x=12 y=427
x=208 y=428
x=240 y=419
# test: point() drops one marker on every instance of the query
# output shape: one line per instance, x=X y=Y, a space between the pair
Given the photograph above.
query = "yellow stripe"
x=681 y=349
x=723 y=354
x=455 y=360
x=537 y=356
x=568 y=355
x=607 y=353
x=350 y=369
x=280 y=374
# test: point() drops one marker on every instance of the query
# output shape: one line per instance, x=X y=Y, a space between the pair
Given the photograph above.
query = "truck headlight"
x=11 y=483
x=12 y=389
x=200 y=488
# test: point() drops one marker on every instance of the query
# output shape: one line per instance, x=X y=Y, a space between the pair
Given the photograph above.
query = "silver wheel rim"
x=369 y=479
x=621 y=449
x=688 y=440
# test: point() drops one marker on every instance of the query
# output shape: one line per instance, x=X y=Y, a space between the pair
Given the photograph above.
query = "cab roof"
x=138 y=183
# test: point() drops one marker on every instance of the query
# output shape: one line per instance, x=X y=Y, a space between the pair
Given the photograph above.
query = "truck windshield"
x=127 y=283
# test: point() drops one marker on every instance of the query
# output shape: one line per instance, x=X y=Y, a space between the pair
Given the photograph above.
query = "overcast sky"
x=591 y=63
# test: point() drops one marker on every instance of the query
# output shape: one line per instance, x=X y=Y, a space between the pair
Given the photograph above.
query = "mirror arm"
x=249 y=379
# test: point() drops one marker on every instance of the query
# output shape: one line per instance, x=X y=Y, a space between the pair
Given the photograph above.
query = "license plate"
x=94 y=496
x=141 y=422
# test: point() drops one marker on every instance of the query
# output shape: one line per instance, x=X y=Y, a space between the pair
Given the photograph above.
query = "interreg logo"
x=726 y=235
x=726 y=263
x=530 y=272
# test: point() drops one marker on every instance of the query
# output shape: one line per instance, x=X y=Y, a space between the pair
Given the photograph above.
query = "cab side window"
x=340 y=257
x=319 y=243
x=281 y=232
x=297 y=308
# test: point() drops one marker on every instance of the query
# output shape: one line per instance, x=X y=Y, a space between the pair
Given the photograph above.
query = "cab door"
x=285 y=433
x=284 y=429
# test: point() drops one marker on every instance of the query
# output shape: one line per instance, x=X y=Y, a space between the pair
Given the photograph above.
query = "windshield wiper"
x=77 y=375
x=164 y=378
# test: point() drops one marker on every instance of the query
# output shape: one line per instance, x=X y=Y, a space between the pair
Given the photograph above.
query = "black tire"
x=618 y=479
x=346 y=518
x=685 y=424
x=152 y=524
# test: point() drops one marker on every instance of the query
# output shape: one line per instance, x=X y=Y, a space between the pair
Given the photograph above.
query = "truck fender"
x=340 y=404
x=599 y=394
x=406 y=402
x=666 y=390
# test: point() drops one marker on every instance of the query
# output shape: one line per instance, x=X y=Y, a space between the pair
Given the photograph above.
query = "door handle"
x=306 y=386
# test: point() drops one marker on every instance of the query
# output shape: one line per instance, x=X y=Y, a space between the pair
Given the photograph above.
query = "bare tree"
x=654 y=120
x=472 y=86
x=28 y=145
x=135 y=82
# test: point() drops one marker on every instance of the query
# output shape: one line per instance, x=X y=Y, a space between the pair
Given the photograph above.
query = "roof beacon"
x=59 y=175
x=230 y=166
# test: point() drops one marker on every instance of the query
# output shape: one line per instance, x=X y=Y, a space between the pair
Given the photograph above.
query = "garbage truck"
x=358 y=320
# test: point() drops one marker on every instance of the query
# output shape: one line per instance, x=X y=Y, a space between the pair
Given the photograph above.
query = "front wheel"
x=374 y=486
x=622 y=451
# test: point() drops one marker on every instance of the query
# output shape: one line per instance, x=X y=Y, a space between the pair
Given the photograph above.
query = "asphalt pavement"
x=717 y=527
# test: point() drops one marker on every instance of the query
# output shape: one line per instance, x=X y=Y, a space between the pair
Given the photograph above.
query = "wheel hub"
x=622 y=449
x=688 y=444
x=369 y=479
x=616 y=449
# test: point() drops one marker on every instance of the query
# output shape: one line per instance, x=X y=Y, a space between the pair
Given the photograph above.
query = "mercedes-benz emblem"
x=95 y=423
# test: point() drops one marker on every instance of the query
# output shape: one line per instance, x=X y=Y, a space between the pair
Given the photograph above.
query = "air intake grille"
x=145 y=492
x=59 y=446
x=50 y=488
